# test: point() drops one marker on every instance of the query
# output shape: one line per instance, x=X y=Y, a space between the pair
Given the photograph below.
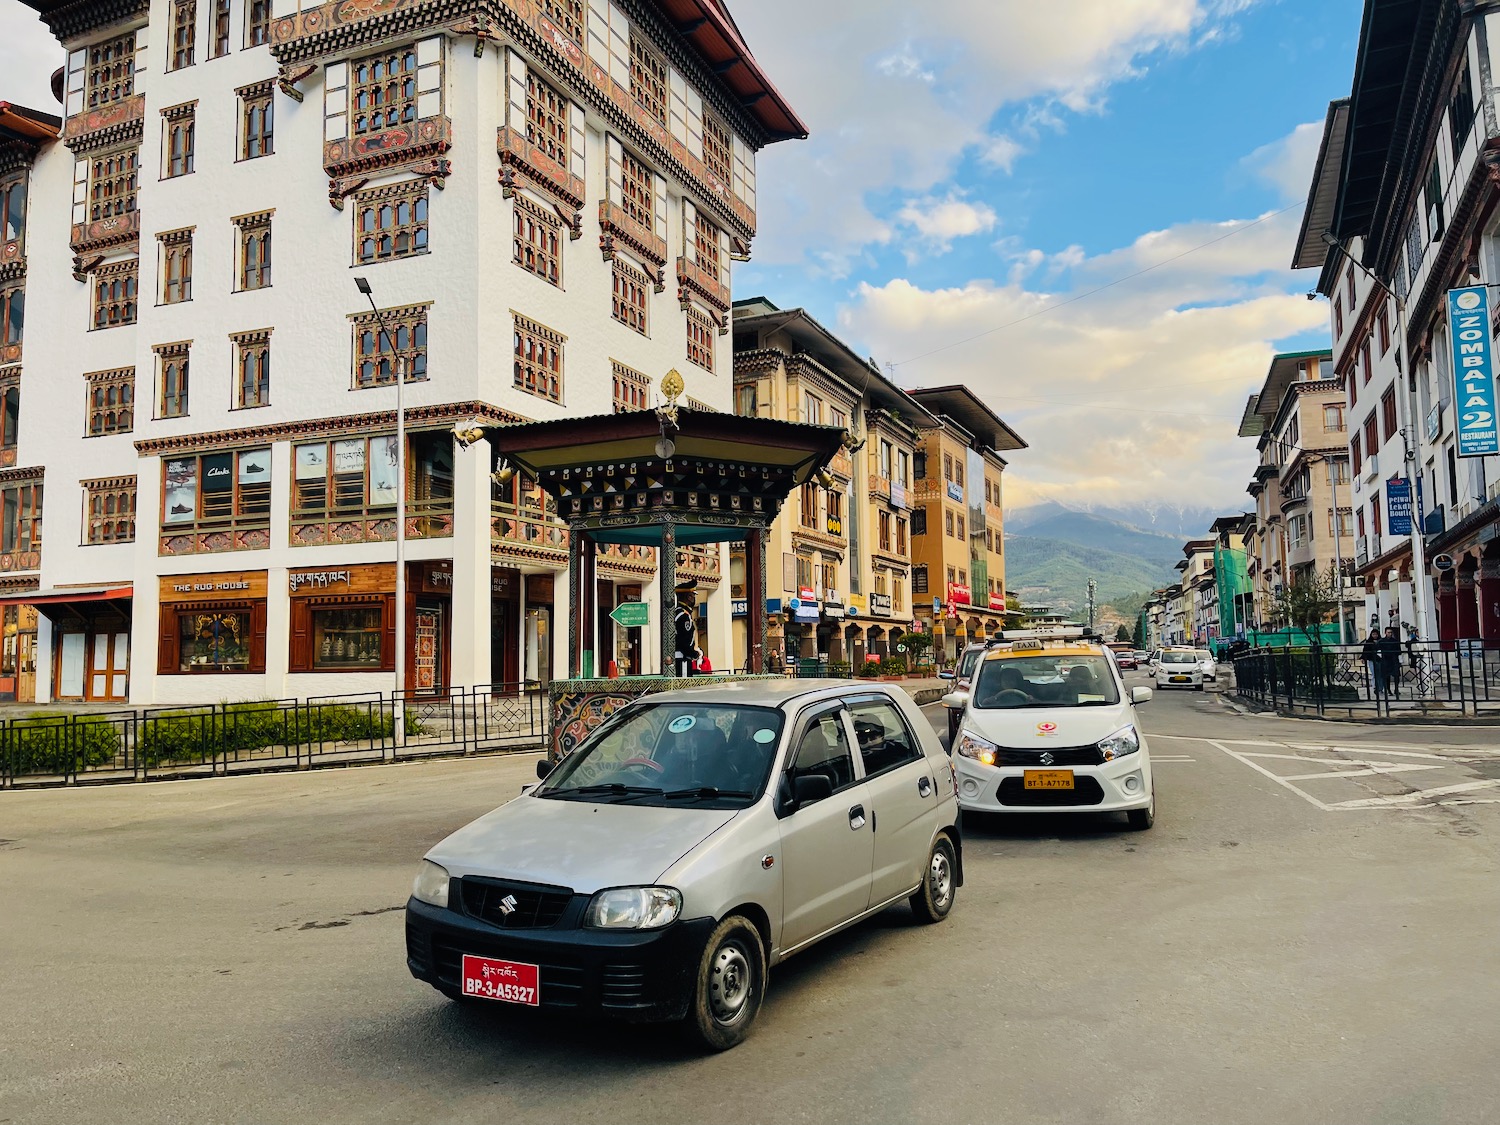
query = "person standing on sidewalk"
x=1369 y=652
x=1390 y=660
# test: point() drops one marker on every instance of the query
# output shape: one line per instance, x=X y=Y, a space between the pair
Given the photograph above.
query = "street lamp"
x=1409 y=452
x=398 y=706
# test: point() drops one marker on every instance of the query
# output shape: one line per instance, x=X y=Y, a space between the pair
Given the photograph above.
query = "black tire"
x=1197 y=687
x=1142 y=819
x=730 y=987
x=933 y=900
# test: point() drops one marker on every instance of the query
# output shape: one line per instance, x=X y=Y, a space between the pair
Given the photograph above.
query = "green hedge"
x=893 y=666
x=187 y=736
x=869 y=669
x=45 y=743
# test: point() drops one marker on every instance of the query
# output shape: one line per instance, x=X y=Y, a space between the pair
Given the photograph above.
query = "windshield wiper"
x=704 y=793
x=608 y=789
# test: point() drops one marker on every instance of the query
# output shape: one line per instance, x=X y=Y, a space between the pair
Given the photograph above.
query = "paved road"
x=1308 y=935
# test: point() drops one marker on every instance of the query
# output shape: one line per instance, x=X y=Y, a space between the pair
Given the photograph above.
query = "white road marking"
x=1245 y=760
x=1155 y=758
x=1396 y=767
x=1400 y=799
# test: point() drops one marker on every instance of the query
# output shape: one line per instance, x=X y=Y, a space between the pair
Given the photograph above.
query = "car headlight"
x=633 y=908
x=431 y=884
x=982 y=750
x=1123 y=741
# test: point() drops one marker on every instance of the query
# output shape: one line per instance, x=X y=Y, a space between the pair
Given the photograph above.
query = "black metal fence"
x=225 y=738
x=1457 y=679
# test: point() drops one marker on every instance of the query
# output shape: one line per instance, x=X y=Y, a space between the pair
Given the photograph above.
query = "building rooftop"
x=970 y=411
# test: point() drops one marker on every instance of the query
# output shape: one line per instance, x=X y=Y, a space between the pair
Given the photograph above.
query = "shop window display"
x=214 y=641
x=348 y=638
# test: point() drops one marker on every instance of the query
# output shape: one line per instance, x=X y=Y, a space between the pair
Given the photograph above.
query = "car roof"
x=767 y=692
x=1047 y=650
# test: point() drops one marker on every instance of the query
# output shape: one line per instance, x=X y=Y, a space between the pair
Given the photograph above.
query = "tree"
x=1138 y=637
x=1122 y=634
x=916 y=645
x=1307 y=601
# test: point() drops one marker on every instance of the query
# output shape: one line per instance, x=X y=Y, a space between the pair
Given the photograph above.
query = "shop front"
x=209 y=624
x=18 y=654
x=90 y=649
x=536 y=634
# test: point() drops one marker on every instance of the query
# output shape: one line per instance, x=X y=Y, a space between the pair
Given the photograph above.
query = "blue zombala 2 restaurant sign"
x=1473 y=371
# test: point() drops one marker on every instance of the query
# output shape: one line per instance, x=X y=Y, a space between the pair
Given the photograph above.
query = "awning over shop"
x=63 y=602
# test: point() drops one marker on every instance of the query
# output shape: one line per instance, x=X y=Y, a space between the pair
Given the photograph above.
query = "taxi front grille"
x=1061 y=756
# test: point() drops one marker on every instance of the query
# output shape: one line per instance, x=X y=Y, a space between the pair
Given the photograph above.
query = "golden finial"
x=672 y=386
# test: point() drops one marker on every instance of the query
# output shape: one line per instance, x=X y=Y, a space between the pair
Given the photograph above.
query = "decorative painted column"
x=588 y=606
x=1468 y=605
x=755 y=594
x=666 y=584
x=1447 y=603
x=575 y=582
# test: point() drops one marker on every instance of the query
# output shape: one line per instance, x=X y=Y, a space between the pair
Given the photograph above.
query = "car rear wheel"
x=1142 y=819
x=934 y=898
x=731 y=984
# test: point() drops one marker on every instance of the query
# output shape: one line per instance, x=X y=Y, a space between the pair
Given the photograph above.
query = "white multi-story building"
x=544 y=198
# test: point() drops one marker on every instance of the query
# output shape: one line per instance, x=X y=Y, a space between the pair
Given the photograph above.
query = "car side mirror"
x=956 y=700
x=810 y=787
x=543 y=768
x=1141 y=695
x=945 y=675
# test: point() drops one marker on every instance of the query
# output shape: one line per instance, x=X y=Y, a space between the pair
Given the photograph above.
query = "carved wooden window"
x=111 y=71
x=567 y=15
x=21 y=517
x=13 y=208
x=184 y=33
x=12 y=314
x=632 y=388
x=254 y=250
x=706 y=245
x=538 y=358
x=221 y=29
x=383 y=93
x=115 y=292
x=109 y=507
x=628 y=300
x=700 y=339
x=546 y=118
x=637 y=184
x=717 y=148
x=114 y=180
x=391 y=222
x=257 y=23
x=176 y=266
x=252 y=368
x=648 y=78
x=172 y=380
x=10 y=408
x=378 y=353
x=177 y=140
x=111 y=401
x=257 y=121
x=537 y=244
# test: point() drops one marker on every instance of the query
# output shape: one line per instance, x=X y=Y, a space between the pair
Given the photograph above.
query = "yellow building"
x=839 y=560
x=958 y=548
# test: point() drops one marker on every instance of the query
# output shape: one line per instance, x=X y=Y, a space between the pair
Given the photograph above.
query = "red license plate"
x=509 y=981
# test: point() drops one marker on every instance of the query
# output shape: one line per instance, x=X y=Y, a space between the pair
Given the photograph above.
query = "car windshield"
x=966 y=663
x=1045 y=679
x=706 y=755
x=1178 y=658
x=1204 y=654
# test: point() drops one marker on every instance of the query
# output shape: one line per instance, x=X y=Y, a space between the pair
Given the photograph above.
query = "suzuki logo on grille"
x=508 y=906
x=1047 y=759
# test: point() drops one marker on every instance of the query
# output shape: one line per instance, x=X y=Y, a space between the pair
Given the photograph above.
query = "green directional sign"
x=632 y=615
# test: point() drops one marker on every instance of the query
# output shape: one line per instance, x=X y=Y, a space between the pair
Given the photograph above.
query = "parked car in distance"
x=1050 y=726
x=1142 y=657
x=694 y=840
x=1178 y=667
x=1209 y=665
x=958 y=695
x=1125 y=658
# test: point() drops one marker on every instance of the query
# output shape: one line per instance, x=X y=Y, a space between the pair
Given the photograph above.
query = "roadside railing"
x=216 y=739
x=1459 y=679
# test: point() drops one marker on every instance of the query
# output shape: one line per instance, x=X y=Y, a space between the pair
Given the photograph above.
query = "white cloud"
x=1001 y=152
x=938 y=221
x=895 y=94
x=1287 y=164
x=1133 y=392
x=28 y=56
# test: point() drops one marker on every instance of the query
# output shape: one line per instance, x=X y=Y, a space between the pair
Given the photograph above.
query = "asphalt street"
x=1307 y=935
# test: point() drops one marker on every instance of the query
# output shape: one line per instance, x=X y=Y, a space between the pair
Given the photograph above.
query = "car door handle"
x=924 y=785
x=857 y=817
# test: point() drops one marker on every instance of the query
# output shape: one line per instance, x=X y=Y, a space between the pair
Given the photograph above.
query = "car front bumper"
x=641 y=976
x=1106 y=788
x=1194 y=680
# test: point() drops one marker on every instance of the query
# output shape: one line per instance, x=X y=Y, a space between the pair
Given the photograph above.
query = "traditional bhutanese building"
x=544 y=197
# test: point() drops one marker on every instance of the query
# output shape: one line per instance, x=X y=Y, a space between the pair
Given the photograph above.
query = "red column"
x=1488 y=591
x=1468 y=605
x=755 y=601
x=1447 y=608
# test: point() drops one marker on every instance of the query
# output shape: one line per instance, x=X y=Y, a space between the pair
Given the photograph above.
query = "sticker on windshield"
x=682 y=724
x=765 y=735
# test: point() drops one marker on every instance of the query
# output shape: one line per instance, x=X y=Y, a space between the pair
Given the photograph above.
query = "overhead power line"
x=1100 y=289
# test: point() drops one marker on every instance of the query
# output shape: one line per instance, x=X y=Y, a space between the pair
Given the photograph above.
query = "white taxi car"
x=1179 y=667
x=1050 y=726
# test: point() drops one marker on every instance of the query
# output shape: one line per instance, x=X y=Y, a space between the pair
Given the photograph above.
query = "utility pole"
x=1093 y=589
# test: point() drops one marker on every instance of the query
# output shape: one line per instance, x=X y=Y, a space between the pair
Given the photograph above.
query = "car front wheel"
x=934 y=898
x=731 y=984
x=1142 y=819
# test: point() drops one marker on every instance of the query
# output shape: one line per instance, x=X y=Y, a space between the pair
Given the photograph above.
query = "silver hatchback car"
x=694 y=840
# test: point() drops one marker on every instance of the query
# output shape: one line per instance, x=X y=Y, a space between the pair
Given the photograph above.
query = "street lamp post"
x=398 y=704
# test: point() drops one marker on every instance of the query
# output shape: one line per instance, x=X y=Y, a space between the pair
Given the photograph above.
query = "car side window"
x=885 y=741
x=824 y=749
